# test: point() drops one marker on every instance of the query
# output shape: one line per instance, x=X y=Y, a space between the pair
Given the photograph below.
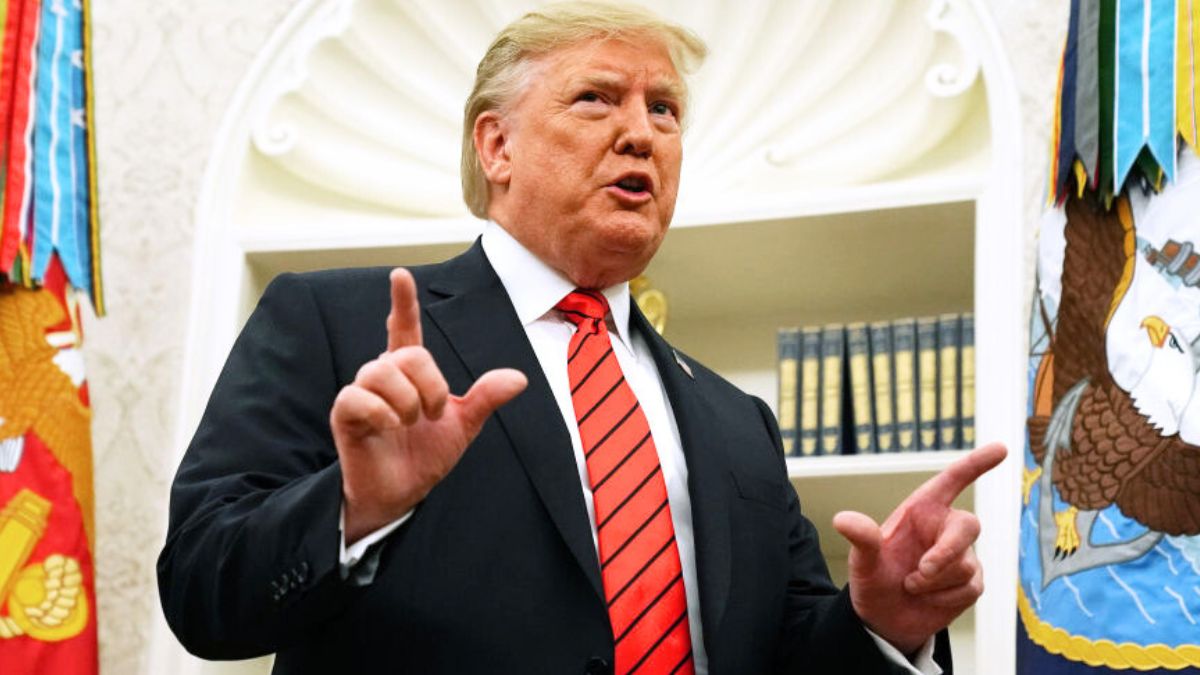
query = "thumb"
x=865 y=539
x=492 y=390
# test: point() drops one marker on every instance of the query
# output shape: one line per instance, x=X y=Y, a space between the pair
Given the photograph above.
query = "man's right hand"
x=397 y=428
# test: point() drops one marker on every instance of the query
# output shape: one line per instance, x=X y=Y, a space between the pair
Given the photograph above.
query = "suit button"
x=597 y=666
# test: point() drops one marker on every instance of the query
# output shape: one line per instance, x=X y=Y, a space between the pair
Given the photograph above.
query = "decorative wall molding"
x=328 y=19
x=361 y=108
x=947 y=78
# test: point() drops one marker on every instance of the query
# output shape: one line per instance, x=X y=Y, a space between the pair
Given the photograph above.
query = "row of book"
x=887 y=386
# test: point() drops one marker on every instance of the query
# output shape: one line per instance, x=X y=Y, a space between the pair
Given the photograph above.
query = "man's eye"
x=588 y=97
x=662 y=109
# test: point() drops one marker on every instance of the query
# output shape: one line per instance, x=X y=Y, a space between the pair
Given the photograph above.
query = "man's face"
x=594 y=150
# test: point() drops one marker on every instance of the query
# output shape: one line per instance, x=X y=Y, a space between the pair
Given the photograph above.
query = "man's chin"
x=631 y=233
x=607 y=266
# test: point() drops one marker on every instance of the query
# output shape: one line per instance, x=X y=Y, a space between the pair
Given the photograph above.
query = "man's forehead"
x=595 y=61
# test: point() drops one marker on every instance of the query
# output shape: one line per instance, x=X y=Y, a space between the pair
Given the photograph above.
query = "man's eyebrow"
x=601 y=80
x=664 y=87
x=668 y=87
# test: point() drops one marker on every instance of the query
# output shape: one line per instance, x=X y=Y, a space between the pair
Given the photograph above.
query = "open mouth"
x=634 y=184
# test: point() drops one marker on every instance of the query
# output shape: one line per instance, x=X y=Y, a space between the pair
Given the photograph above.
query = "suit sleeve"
x=821 y=633
x=250 y=560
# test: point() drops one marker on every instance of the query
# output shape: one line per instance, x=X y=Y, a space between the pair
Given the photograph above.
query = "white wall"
x=165 y=72
x=1033 y=32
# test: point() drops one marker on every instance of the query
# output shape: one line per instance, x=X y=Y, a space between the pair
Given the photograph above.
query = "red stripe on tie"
x=633 y=607
x=655 y=646
x=643 y=579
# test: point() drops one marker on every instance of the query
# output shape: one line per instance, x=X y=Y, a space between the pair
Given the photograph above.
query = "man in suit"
x=595 y=501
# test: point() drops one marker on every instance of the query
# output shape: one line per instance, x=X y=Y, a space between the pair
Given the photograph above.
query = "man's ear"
x=491 y=144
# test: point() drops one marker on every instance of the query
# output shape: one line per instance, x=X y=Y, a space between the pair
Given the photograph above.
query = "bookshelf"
x=898 y=195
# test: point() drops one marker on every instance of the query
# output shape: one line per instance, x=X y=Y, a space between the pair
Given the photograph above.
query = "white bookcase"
x=849 y=160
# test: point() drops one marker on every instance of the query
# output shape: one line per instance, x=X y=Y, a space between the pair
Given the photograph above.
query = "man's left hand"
x=911 y=577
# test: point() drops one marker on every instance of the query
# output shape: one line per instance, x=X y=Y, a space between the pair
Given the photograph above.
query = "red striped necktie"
x=639 y=560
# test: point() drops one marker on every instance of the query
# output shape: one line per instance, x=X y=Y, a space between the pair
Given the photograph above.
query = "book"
x=927 y=383
x=948 y=381
x=904 y=343
x=967 y=366
x=833 y=350
x=789 y=387
x=881 y=381
x=810 y=392
x=858 y=356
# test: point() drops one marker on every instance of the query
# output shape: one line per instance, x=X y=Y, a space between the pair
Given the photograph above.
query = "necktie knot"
x=583 y=308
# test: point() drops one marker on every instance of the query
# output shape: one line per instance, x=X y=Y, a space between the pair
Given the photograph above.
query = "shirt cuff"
x=349 y=556
x=922 y=663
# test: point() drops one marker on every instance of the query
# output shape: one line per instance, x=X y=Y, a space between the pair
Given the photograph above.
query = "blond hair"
x=500 y=75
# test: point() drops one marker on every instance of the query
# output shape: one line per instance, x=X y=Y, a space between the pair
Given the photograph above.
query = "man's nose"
x=636 y=133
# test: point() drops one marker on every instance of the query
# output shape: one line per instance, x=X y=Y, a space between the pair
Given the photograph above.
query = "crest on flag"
x=47 y=617
x=1110 y=537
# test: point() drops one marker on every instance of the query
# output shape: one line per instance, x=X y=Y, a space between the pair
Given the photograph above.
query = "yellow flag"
x=1187 y=41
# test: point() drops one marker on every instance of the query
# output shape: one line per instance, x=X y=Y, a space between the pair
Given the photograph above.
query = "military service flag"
x=48 y=259
x=1109 y=559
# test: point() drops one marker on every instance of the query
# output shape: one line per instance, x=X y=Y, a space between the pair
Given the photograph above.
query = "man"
x=595 y=501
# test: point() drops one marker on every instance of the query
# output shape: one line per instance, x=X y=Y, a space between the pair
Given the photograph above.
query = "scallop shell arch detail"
x=359 y=110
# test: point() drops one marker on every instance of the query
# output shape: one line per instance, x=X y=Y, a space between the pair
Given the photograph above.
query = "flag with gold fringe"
x=1126 y=96
x=1109 y=552
x=49 y=261
x=47 y=147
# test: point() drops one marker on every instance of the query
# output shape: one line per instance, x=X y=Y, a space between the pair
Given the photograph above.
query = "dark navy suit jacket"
x=496 y=571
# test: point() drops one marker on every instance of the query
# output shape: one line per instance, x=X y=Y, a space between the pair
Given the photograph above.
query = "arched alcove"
x=844 y=159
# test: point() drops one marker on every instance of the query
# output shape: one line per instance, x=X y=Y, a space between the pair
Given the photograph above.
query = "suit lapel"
x=474 y=313
x=479 y=322
x=708 y=474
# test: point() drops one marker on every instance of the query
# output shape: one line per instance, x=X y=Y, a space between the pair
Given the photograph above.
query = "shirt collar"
x=535 y=287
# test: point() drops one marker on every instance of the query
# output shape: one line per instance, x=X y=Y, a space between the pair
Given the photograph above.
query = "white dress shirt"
x=534 y=289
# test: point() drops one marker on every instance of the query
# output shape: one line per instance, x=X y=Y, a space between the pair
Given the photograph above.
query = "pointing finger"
x=404 y=321
x=945 y=487
x=865 y=539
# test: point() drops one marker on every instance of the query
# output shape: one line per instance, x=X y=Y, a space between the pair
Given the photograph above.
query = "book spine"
x=968 y=380
x=859 y=356
x=833 y=350
x=949 y=344
x=881 y=381
x=810 y=392
x=789 y=382
x=927 y=383
x=904 y=342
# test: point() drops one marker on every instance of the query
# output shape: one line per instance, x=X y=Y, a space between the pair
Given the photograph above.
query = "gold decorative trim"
x=1125 y=215
x=651 y=301
x=1124 y=656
